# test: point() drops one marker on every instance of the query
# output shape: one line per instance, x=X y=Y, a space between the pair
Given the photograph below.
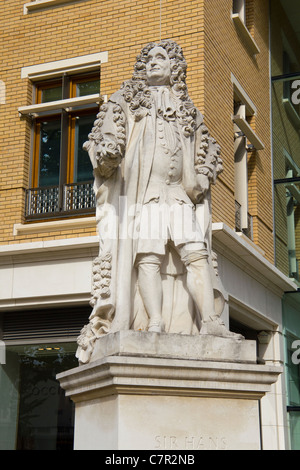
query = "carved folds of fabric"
x=110 y=145
x=137 y=93
x=96 y=134
x=119 y=121
x=101 y=278
x=207 y=160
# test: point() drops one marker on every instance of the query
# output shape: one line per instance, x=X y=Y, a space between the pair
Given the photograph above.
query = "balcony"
x=58 y=201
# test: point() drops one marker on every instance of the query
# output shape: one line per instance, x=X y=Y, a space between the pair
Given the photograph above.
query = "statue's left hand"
x=203 y=183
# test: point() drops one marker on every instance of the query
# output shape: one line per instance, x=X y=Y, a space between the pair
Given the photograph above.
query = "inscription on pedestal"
x=191 y=443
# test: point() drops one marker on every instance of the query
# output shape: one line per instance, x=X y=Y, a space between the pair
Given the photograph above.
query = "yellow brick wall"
x=213 y=49
x=226 y=53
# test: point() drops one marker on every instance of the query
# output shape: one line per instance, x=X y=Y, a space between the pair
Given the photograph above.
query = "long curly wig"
x=137 y=92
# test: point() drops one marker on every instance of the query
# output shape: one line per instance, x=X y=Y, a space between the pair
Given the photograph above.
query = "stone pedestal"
x=168 y=392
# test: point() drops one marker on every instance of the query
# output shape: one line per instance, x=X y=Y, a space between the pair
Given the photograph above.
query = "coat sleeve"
x=106 y=144
x=208 y=163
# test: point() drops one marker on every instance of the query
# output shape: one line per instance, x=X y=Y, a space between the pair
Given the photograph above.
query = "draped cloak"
x=117 y=304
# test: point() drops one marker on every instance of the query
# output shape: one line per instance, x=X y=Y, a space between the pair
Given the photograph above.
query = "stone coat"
x=124 y=176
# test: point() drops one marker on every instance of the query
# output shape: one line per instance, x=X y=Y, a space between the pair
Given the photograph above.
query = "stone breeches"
x=171 y=218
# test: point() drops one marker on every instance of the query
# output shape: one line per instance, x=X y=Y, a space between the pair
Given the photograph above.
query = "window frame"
x=243 y=133
x=238 y=16
x=68 y=116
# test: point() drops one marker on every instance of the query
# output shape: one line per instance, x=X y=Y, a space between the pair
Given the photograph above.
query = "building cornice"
x=249 y=258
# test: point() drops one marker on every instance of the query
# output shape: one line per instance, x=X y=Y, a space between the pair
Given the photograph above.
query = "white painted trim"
x=243 y=96
x=244 y=32
x=37 y=4
x=53 y=226
x=249 y=133
x=61 y=104
x=75 y=64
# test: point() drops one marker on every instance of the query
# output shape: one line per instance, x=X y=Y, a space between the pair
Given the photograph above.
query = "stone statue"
x=154 y=162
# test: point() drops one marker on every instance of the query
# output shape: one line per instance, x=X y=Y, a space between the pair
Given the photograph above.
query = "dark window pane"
x=49 y=158
x=88 y=88
x=38 y=415
x=83 y=170
x=51 y=94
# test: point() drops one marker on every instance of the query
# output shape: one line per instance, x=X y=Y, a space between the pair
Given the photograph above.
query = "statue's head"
x=161 y=63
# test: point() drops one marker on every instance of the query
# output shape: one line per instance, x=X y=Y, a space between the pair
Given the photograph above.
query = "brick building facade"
x=55 y=55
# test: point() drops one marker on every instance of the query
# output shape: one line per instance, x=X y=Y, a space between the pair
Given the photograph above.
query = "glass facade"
x=291 y=330
x=35 y=414
x=286 y=138
x=285 y=89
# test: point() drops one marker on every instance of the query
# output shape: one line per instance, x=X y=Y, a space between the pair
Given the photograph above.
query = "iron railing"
x=78 y=196
x=42 y=201
x=54 y=200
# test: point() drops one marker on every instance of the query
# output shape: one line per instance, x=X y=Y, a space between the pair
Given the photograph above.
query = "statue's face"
x=158 y=67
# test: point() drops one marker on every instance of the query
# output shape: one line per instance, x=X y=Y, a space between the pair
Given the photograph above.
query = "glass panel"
x=285 y=64
x=83 y=170
x=51 y=94
x=49 y=158
x=286 y=124
x=287 y=227
x=9 y=402
x=293 y=371
x=88 y=88
x=35 y=414
x=294 y=421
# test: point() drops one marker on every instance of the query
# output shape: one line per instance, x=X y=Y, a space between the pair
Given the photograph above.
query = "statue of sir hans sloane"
x=154 y=162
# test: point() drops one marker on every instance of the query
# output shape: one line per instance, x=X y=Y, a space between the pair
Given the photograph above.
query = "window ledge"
x=244 y=32
x=38 y=4
x=79 y=64
x=67 y=105
x=54 y=226
x=249 y=133
x=292 y=113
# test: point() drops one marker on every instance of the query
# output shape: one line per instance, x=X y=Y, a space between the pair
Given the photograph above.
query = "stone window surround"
x=242 y=130
x=239 y=17
x=39 y=4
x=58 y=67
x=50 y=70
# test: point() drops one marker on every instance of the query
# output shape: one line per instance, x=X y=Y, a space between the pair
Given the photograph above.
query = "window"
x=35 y=413
x=242 y=17
x=239 y=8
x=63 y=114
x=245 y=140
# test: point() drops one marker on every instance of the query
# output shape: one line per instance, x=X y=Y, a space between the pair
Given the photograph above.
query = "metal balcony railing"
x=78 y=196
x=55 y=200
x=42 y=201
